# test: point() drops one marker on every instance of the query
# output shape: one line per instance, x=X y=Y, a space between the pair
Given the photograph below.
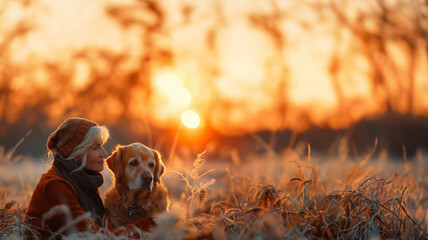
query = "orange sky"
x=251 y=66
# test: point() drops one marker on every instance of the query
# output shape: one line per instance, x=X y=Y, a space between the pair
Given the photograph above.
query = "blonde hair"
x=94 y=134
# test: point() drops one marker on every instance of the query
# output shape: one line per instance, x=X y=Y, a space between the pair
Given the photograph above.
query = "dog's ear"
x=115 y=162
x=159 y=168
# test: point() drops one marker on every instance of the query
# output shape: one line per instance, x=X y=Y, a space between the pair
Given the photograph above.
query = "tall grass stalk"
x=9 y=157
x=174 y=144
x=194 y=184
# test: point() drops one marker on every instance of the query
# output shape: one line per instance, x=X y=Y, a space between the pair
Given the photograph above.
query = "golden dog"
x=137 y=191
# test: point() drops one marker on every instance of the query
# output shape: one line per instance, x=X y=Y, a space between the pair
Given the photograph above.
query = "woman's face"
x=95 y=157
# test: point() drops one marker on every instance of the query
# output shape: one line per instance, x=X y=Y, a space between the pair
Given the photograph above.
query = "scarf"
x=86 y=183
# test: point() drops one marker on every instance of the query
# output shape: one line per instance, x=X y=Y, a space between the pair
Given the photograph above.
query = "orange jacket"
x=54 y=191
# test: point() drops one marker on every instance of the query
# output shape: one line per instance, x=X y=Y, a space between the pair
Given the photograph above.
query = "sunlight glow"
x=82 y=75
x=169 y=87
x=190 y=119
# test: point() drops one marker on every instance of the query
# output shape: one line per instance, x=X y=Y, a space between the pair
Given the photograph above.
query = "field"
x=294 y=194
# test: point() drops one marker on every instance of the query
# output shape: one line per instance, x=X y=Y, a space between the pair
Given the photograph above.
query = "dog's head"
x=136 y=166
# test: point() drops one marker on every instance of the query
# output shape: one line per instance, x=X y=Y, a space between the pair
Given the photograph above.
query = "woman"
x=72 y=183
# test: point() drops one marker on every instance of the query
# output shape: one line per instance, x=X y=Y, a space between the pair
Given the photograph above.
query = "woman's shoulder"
x=50 y=191
x=52 y=179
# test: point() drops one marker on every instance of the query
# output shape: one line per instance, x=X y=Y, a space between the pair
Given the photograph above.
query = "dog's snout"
x=147 y=177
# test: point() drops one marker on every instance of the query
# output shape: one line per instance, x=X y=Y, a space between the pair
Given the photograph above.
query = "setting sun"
x=190 y=119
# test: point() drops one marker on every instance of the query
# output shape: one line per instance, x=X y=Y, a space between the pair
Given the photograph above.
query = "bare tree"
x=11 y=33
x=277 y=68
x=376 y=30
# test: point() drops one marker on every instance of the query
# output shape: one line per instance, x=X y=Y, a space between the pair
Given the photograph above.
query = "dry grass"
x=270 y=196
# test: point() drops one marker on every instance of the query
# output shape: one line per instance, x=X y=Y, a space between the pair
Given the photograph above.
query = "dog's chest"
x=136 y=206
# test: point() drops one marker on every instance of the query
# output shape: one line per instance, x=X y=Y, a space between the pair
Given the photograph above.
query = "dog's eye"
x=133 y=162
x=151 y=165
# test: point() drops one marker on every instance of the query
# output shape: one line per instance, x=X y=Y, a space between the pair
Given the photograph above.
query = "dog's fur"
x=137 y=191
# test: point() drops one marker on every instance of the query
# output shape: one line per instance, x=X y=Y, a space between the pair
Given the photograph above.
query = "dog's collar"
x=132 y=210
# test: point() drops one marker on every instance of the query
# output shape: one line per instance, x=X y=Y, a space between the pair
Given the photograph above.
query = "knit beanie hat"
x=68 y=135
